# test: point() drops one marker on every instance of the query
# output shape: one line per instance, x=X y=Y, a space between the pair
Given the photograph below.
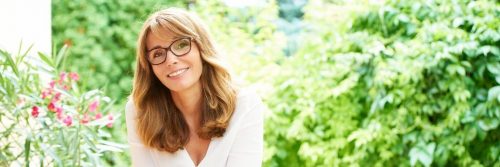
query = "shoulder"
x=130 y=110
x=249 y=105
x=247 y=96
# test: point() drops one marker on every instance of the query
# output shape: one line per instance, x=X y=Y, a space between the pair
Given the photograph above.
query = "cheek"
x=197 y=62
x=198 y=72
x=199 y=68
x=157 y=71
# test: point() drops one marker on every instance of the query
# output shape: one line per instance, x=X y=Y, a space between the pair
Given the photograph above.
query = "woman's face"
x=177 y=73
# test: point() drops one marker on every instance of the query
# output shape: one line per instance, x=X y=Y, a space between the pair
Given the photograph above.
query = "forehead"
x=161 y=37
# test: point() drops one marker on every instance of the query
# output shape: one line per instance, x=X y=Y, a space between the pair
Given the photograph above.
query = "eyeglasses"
x=179 y=47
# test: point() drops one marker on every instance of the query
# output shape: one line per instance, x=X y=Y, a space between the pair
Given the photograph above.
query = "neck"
x=189 y=101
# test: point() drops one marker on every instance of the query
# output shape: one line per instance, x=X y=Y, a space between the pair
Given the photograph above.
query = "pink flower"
x=45 y=93
x=59 y=115
x=57 y=97
x=74 y=76
x=93 y=106
x=68 y=120
x=34 y=111
x=85 y=119
x=98 y=116
x=66 y=87
x=110 y=118
x=52 y=84
x=59 y=111
x=52 y=107
x=62 y=77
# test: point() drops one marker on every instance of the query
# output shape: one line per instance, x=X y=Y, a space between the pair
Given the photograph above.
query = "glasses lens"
x=157 y=56
x=181 y=47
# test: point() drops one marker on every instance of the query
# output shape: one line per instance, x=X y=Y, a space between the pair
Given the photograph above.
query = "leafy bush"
x=402 y=84
x=56 y=125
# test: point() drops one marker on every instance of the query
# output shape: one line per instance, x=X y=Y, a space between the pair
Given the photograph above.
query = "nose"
x=171 y=59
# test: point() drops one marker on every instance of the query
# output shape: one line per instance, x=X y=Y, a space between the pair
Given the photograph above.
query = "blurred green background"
x=347 y=82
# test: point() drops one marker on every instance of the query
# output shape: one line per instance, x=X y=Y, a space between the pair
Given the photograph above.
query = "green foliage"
x=58 y=124
x=402 y=84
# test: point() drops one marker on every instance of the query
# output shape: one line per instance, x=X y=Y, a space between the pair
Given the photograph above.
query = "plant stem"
x=77 y=142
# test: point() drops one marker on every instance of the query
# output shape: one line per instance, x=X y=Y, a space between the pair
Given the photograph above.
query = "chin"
x=179 y=88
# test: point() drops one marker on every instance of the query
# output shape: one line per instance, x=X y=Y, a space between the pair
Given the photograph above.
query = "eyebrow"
x=158 y=46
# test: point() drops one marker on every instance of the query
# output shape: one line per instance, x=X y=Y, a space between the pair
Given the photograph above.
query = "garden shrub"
x=47 y=119
x=398 y=84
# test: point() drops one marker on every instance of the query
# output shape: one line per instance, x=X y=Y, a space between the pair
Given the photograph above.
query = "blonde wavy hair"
x=160 y=124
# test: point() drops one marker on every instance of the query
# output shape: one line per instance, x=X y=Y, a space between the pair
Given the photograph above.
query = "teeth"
x=178 y=72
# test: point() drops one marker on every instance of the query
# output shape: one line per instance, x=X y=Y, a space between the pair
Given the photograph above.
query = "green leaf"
x=61 y=56
x=456 y=69
x=485 y=50
x=27 y=150
x=21 y=57
x=10 y=61
x=46 y=59
x=494 y=68
x=488 y=124
x=117 y=146
x=423 y=153
x=457 y=22
x=471 y=52
x=494 y=93
x=50 y=151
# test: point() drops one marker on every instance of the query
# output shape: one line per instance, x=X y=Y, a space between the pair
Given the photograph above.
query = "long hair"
x=160 y=124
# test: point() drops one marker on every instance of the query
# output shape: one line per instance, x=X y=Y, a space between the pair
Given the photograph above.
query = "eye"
x=182 y=44
x=158 y=53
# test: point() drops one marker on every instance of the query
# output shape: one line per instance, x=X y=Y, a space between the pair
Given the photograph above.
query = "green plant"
x=392 y=84
x=55 y=125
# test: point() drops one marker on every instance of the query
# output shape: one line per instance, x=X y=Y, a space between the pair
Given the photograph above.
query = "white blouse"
x=241 y=145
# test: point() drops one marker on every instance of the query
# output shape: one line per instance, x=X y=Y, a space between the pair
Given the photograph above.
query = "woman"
x=184 y=108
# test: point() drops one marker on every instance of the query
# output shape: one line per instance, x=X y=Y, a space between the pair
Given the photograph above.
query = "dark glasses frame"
x=168 y=48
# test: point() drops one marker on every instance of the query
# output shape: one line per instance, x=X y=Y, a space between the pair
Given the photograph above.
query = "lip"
x=180 y=75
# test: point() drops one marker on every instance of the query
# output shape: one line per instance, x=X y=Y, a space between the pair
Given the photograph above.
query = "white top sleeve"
x=248 y=146
x=141 y=156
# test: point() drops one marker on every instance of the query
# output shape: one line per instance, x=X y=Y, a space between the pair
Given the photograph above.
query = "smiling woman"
x=185 y=110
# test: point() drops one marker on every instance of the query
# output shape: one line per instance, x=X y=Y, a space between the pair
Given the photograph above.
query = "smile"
x=178 y=72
